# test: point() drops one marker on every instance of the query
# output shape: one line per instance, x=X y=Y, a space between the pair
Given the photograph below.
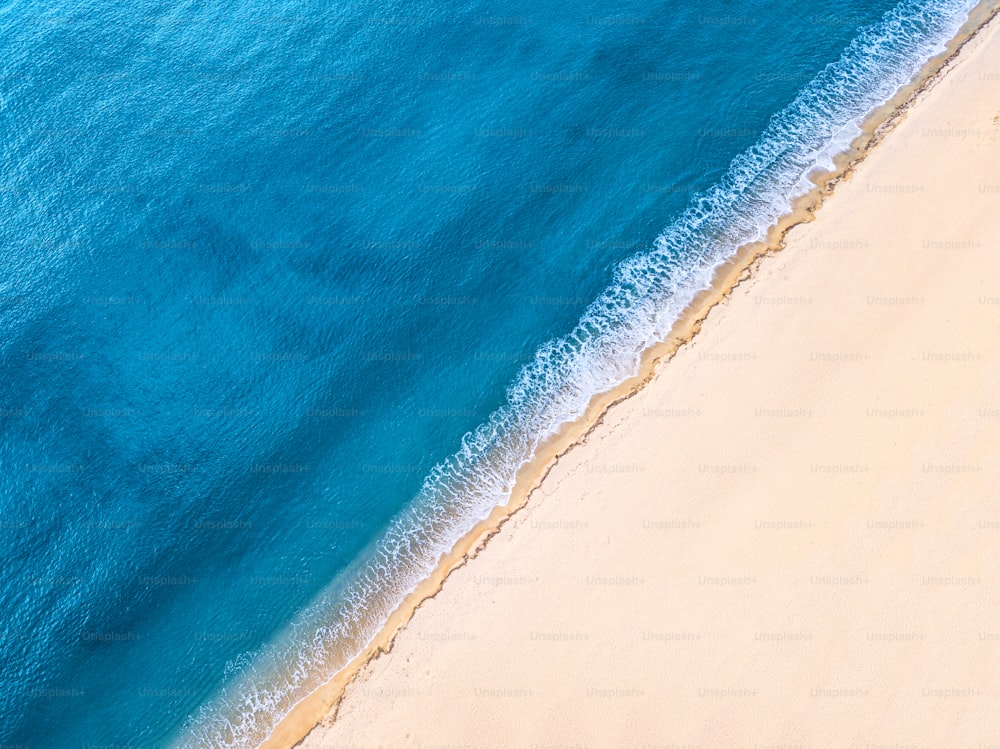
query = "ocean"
x=290 y=290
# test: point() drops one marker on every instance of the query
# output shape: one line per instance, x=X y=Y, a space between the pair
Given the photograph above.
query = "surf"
x=646 y=296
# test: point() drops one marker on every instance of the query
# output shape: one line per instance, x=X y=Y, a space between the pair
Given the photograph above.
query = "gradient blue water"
x=263 y=265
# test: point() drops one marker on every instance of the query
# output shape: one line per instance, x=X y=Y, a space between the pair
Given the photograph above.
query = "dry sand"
x=791 y=536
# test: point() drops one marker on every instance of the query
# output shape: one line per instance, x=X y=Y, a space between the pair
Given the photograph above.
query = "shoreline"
x=741 y=268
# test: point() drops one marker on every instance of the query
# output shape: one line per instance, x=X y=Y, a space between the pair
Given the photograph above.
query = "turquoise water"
x=289 y=291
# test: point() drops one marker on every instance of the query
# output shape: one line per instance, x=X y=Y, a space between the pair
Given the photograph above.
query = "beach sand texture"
x=791 y=535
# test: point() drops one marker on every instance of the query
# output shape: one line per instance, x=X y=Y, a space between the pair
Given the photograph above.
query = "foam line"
x=648 y=293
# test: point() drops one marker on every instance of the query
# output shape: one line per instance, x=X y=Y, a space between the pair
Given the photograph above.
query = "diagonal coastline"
x=727 y=277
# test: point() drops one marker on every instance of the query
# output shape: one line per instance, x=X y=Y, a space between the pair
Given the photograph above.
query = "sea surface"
x=289 y=290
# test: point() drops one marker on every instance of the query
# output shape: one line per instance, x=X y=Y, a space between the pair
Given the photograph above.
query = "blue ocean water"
x=289 y=290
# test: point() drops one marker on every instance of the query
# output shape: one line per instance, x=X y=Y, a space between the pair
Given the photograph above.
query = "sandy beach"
x=791 y=535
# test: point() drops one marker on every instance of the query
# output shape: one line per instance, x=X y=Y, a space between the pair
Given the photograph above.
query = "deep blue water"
x=262 y=266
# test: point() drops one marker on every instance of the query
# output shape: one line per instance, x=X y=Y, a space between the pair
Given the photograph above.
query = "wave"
x=648 y=293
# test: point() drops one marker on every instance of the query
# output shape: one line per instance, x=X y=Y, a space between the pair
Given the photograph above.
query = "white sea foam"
x=648 y=293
